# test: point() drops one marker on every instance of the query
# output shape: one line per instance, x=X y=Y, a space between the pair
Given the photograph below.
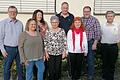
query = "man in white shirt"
x=109 y=48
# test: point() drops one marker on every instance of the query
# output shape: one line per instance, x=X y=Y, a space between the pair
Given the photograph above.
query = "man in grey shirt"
x=10 y=30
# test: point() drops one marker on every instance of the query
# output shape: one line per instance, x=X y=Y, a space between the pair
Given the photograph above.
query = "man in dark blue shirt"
x=66 y=20
x=65 y=17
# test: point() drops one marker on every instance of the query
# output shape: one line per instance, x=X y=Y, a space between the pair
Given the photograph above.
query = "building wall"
x=75 y=7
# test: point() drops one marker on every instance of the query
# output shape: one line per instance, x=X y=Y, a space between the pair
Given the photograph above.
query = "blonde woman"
x=31 y=50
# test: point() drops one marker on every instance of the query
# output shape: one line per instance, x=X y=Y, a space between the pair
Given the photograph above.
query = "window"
x=101 y=6
x=28 y=6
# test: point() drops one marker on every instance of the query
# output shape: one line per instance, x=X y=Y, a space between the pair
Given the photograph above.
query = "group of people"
x=67 y=36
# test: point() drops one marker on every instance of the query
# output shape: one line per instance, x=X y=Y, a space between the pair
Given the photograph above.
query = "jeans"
x=90 y=60
x=29 y=69
x=13 y=54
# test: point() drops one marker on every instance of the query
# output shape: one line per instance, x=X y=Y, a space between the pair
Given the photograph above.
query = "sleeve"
x=64 y=40
x=97 y=30
x=85 y=44
x=72 y=19
x=2 y=36
x=69 y=39
x=22 y=28
x=46 y=39
x=46 y=25
x=21 y=47
x=119 y=33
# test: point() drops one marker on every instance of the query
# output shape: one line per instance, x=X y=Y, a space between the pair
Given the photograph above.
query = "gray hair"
x=54 y=18
x=110 y=12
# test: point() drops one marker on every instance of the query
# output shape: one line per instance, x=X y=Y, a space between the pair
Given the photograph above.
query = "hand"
x=85 y=54
x=44 y=57
x=5 y=54
x=94 y=46
x=26 y=62
x=47 y=56
x=42 y=28
x=64 y=55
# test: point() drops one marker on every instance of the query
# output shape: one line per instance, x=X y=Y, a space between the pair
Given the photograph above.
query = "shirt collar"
x=62 y=14
x=10 y=20
x=113 y=23
x=88 y=17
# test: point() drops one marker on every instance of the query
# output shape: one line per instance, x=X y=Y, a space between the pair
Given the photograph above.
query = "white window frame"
x=101 y=6
x=28 y=6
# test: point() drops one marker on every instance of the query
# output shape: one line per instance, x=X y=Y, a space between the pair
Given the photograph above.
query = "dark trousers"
x=76 y=63
x=54 y=67
x=13 y=54
x=45 y=74
x=109 y=57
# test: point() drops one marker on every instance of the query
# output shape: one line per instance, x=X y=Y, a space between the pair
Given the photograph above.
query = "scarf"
x=77 y=31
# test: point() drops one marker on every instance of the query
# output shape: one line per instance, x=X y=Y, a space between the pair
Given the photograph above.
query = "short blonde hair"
x=28 y=22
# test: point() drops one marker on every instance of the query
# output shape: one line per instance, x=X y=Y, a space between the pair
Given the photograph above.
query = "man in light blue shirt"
x=10 y=30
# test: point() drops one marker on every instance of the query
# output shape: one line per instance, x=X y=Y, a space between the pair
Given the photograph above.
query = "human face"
x=39 y=16
x=110 y=17
x=64 y=9
x=77 y=24
x=86 y=12
x=32 y=25
x=54 y=24
x=12 y=12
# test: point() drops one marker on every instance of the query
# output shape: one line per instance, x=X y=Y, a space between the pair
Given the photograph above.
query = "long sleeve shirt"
x=55 y=42
x=9 y=33
x=93 y=28
x=77 y=43
x=30 y=47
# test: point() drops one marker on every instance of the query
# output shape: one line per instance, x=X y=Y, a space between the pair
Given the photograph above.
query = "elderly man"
x=65 y=17
x=109 y=48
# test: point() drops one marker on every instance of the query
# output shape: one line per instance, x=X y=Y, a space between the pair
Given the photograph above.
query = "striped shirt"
x=9 y=33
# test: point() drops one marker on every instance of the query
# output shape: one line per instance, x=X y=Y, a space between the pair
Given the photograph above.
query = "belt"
x=109 y=44
x=11 y=46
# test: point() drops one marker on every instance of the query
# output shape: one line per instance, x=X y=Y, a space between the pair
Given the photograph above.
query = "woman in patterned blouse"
x=55 y=47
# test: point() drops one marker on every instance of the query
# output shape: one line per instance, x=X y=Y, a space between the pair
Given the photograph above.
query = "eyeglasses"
x=12 y=11
x=54 y=22
x=86 y=11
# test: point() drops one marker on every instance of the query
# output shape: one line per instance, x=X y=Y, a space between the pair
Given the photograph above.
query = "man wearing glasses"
x=93 y=32
x=10 y=29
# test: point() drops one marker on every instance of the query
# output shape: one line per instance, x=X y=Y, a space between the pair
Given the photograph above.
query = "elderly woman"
x=31 y=50
x=55 y=48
